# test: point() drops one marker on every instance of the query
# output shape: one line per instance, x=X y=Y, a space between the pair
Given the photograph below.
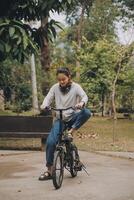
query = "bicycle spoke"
x=58 y=170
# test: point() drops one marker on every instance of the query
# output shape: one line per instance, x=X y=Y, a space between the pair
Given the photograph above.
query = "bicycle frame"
x=61 y=120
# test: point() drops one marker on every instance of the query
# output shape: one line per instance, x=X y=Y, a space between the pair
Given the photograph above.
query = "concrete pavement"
x=110 y=178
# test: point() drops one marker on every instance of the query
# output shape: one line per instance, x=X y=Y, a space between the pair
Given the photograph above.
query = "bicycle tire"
x=73 y=161
x=58 y=169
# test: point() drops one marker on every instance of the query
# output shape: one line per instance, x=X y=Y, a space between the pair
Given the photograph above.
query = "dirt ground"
x=110 y=178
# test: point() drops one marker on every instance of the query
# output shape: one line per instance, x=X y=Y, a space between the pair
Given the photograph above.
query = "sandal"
x=45 y=176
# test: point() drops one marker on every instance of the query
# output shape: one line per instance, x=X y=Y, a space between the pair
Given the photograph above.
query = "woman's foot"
x=70 y=136
x=45 y=176
x=70 y=133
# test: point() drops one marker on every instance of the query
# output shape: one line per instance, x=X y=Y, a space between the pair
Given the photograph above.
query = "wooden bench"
x=26 y=127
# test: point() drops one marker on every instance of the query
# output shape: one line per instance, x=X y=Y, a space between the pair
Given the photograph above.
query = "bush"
x=125 y=110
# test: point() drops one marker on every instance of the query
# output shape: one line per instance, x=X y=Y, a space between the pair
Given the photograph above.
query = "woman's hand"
x=80 y=105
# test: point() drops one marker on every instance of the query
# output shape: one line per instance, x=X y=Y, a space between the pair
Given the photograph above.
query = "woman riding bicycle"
x=66 y=93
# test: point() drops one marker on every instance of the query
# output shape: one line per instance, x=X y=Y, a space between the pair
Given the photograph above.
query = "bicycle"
x=65 y=156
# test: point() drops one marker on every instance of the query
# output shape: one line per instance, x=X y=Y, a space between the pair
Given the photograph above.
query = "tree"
x=125 y=88
x=103 y=63
x=15 y=82
x=17 y=38
x=76 y=15
x=101 y=21
x=34 y=84
x=92 y=19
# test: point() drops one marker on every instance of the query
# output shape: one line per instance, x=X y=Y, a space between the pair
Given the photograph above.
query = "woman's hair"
x=63 y=70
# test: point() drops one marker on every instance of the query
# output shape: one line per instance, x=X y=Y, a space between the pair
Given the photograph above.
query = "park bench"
x=26 y=127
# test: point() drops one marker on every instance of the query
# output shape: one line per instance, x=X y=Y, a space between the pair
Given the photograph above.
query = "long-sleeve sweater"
x=70 y=99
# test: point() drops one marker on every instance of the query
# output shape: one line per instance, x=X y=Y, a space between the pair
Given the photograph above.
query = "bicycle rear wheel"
x=58 y=169
x=74 y=157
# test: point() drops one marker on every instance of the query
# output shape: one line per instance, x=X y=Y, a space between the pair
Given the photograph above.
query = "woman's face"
x=63 y=79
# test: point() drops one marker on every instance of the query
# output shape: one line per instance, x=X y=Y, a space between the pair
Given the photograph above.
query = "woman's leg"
x=50 y=148
x=51 y=143
x=79 y=119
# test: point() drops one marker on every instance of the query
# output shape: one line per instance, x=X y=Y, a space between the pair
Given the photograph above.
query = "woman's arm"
x=48 y=99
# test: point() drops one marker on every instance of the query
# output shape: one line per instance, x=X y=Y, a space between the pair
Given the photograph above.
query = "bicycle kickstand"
x=84 y=168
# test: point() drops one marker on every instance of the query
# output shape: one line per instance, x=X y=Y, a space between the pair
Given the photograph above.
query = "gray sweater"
x=70 y=99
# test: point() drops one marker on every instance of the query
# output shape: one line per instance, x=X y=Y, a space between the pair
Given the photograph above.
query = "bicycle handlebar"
x=61 y=109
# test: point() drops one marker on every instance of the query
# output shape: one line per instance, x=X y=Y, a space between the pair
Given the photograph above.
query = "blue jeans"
x=76 y=122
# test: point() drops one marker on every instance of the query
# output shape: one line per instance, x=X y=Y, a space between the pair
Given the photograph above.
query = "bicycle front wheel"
x=58 y=169
x=73 y=161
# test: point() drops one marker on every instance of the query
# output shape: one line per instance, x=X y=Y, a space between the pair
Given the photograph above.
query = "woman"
x=65 y=93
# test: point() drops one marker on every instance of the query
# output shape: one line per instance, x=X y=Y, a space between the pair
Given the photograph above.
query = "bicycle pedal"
x=79 y=166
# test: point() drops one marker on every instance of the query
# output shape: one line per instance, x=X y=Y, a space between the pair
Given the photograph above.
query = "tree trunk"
x=103 y=99
x=45 y=51
x=113 y=102
x=124 y=56
x=79 y=38
x=113 y=92
x=45 y=59
x=34 y=84
x=2 y=99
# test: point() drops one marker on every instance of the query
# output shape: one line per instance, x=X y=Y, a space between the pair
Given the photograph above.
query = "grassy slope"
x=105 y=134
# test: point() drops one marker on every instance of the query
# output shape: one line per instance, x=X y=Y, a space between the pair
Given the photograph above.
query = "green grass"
x=106 y=134
x=11 y=113
x=7 y=112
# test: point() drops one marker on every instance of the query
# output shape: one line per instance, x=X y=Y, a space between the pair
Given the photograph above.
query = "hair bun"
x=63 y=70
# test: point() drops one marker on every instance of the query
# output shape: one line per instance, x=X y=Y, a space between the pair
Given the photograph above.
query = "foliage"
x=62 y=52
x=31 y=10
x=16 y=84
x=99 y=54
x=125 y=88
x=128 y=3
x=99 y=66
x=14 y=13
x=73 y=13
x=15 y=40
x=101 y=20
x=126 y=7
x=98 y=20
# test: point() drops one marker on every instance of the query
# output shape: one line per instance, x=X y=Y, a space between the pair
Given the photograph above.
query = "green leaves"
x=47 y=32
x=15 y=40
x=16 y=37
x=31 y=10
x=103 y=64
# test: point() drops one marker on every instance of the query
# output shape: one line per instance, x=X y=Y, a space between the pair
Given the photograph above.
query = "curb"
x=124 y=155
x=13 y=153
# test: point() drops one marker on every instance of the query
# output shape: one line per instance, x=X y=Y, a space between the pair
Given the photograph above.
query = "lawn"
x=97 y=134
x=106 y=134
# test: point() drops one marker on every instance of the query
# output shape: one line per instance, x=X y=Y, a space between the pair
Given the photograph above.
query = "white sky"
x=58 y=17
x=125 y=37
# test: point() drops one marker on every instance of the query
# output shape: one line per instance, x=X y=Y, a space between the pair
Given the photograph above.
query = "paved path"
x=111 y=178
